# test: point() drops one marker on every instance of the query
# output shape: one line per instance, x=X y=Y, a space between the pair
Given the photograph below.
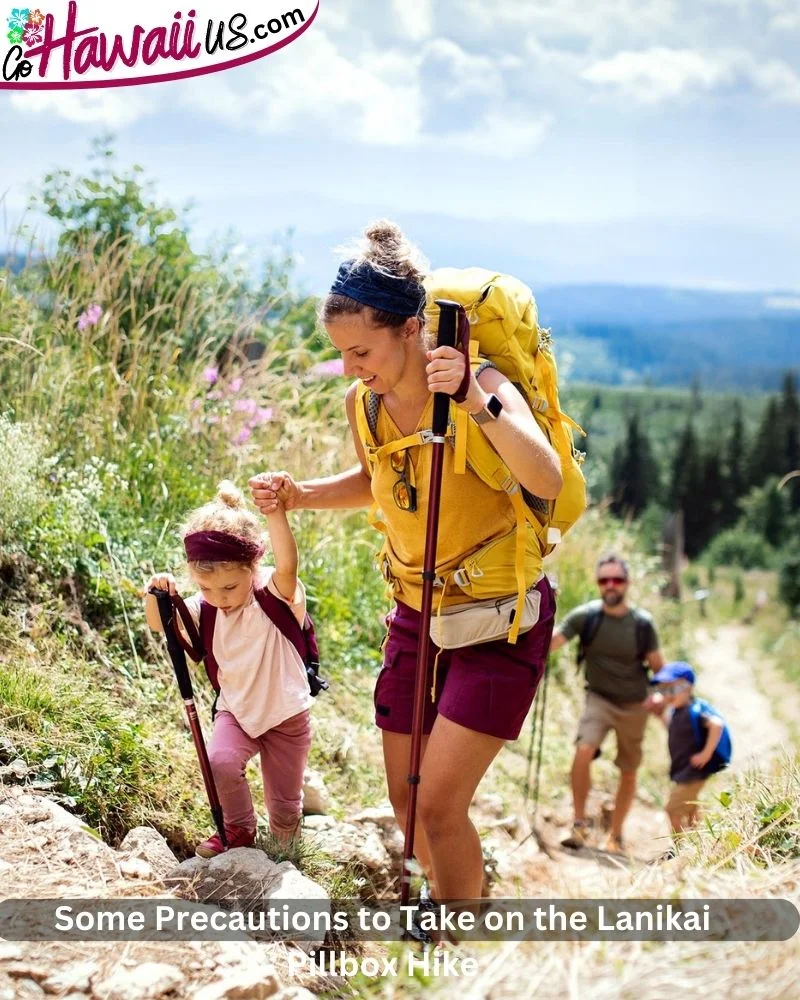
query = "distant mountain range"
x=621 y=335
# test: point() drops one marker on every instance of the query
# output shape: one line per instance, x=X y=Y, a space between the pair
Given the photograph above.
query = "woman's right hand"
x=272 y=491
x=162 y=581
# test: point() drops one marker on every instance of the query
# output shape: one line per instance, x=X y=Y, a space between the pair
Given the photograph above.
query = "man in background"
x=618 y=644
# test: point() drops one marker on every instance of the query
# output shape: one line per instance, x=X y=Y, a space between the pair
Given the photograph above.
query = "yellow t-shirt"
x=470 y=515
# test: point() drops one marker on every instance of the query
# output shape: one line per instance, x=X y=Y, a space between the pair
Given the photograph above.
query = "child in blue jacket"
x=699 y=742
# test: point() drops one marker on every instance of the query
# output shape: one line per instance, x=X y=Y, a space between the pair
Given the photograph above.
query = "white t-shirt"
x=262 y=677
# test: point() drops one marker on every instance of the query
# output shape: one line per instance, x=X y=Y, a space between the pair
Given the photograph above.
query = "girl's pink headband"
x=220 y=546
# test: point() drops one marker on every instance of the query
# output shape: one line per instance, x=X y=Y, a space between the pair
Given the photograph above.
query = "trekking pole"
x=178 y=657
x=441 y=410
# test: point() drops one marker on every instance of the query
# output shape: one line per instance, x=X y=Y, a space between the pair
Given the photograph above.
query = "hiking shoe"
x=614 y=845
x=668 y=855
x=579 y=836
x=237 y=836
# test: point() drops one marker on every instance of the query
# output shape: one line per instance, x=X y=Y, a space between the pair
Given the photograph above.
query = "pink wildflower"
x=329 y=368
x=211 y=374
x=261 y=416
x=90 y=316
x=242 y=436
x=245 y=406
x=236 y=384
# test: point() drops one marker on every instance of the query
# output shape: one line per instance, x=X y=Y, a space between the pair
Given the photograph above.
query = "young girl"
x=264 y=694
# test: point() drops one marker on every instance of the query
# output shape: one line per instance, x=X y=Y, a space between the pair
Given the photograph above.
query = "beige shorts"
x=683 y=797
x=628 y=721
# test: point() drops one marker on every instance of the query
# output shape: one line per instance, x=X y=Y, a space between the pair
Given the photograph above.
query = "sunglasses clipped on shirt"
x=607 y=581
x=404 y=490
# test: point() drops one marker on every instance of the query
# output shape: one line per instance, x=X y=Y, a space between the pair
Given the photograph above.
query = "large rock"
x=244 y=876
x=146 y=844
x=146 y=981
x=316 y=800
x=56 y=834
x=383 y=817
x=360 y=845
x=75 y=977
x=248 y=984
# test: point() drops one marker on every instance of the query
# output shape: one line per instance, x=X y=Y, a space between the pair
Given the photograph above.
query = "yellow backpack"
x=504 y=329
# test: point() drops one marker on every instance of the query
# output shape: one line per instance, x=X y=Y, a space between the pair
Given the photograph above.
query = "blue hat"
x=677 y=671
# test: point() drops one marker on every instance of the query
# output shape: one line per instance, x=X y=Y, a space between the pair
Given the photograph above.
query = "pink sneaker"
x=237 y=836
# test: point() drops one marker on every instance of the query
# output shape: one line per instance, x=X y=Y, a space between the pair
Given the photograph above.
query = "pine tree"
x=713 y=496
x=735 y=469
x=790 y=420
x=634 y=473
x=687 y=490
x=766 y=458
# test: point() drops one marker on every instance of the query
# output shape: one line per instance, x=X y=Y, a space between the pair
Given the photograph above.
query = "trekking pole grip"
x=448 y=318
x=176 y=653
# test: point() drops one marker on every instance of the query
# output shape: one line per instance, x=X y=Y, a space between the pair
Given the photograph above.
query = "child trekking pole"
x=441 y=410
x=178 y=657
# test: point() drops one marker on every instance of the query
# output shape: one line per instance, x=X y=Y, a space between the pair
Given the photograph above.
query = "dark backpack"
x=724 y=749
x=591 y=626
x=303 y=638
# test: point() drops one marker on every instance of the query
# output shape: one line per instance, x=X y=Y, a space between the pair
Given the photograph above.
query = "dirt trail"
x=732 y=680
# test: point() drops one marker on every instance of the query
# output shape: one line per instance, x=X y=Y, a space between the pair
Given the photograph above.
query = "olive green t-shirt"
x=613 y=668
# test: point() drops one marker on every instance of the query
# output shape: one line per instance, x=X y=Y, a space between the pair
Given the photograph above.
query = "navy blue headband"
x=371 y=287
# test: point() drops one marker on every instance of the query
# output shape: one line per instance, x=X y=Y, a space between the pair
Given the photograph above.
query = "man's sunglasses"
x=606 y=581
x=405 y=490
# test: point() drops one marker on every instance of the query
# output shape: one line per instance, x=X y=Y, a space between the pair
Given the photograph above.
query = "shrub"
x=789 y=580
x=740 y=547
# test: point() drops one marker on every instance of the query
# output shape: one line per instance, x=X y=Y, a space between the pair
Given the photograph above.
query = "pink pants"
x=284 y=753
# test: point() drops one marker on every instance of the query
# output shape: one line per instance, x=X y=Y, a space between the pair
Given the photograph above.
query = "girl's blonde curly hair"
x=226 y=512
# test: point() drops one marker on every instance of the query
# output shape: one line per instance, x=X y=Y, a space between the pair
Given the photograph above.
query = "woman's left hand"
x=445 y=371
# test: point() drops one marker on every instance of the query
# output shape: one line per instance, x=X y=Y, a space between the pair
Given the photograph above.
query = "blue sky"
x=640 y=141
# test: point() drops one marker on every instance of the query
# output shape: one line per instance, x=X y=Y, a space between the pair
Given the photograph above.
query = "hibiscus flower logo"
x=36 y=17
x=18 y=19
x=33 y=34
x=15 y=36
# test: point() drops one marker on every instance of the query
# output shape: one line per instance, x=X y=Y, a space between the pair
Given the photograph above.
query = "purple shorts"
x=488 y=688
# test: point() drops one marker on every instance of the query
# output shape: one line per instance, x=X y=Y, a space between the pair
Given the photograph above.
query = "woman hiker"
x=374 y=315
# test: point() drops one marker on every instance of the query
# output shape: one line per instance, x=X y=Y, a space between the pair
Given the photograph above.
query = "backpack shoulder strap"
x=591 y=626
x=208 y=618
x=695 y=714
x=642 y=633
x=282 y=617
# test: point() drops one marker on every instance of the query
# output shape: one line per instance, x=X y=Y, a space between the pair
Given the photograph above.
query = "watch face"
x=494 y=406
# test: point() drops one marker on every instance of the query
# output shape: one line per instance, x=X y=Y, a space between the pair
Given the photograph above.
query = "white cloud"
x=658 y=74
x=413 y=18
x=113 y=108
x=460 y=74
x=506 y=135
x=375 y=99
x=561 y=19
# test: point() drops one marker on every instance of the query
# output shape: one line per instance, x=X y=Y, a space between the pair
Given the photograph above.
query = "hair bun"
x=387 y=248
x=385 y=233
x=230 y=495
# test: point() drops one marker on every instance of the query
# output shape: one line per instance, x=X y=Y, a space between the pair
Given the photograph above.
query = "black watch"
x=491 y=411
